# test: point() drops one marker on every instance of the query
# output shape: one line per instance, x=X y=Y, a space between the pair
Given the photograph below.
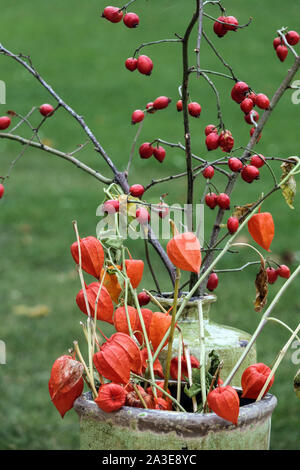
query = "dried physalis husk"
x=261 y=284
x=241 y=211
x=289 y=187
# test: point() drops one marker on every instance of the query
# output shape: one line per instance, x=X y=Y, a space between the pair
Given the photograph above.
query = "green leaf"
x=192 y=391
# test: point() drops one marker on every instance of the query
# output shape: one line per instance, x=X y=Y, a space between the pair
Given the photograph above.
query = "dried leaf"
x=261 y=284
x=289 y=187
x=241 y=211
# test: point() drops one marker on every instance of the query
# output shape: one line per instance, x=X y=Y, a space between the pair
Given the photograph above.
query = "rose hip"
x=235 y=164
x=211 y=200
x=137 y=116
x=159 y=153
x=212 y=141
x=144 y=65
x=131 y=64
x=161 y=102
x=131 y=20
x=136 y=190
x=209 y=172
x=146 y=150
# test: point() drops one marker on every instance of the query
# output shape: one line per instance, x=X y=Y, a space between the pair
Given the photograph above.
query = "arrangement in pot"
x=168 y=373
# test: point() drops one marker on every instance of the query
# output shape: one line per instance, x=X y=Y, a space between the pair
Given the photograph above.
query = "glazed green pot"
x=227 y=341
x=140 y=429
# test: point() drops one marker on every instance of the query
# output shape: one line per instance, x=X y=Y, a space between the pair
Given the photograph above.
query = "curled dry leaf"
x=242 y=211
x=261 y=284
x=289 y=187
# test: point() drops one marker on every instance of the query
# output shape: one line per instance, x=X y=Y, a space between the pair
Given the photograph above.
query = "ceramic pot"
x=140 y=429
x=227 y=341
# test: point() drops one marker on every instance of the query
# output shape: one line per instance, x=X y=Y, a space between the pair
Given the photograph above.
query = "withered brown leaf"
x=261 y=284
x=241 y=211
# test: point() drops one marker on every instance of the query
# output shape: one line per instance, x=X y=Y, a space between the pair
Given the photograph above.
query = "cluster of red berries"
x=143 y=64
x=160 y=103
x=250 y=172
x=282 y=271
x=247 y=100
x=213 y=140
x=115 y=15
x=146 y=151
x=221 y=29
x=292 y=38
x=222 y=200
x=194 y=108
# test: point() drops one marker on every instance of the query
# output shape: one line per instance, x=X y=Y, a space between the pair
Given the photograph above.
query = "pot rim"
x=168 y=297
x=183 y=423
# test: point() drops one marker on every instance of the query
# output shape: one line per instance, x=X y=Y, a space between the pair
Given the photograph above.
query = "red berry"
x=131 y=20
x=146 y=150
x=111 y=206
x=5 y=122
x=232 y=224
x=262 y=101
x=137 y=190
x=235 y=164
x=210 y=128
x=272 y=275
x=212 y=141
x=252 y=96
x=209 y=172
x=223 y=201
x=142 y=215
x=219 y=28
x=143 y=298
x=257 y=160
x=252 y=130
x=292 y=38
x=250 y=173
x=113 y=14
x=277 y=42
x=161 y=102
x=282 y=52
x=226 y=141
x=212 y=282
x=131 y=63
x=144 y=65
x=150 y=108
x=137 y=116
x=233 y=23
x=179 y=105
x=163 y=210
x=239 y=91
x=194 y=109
x=2 y=189
x=46 y=109
x=211 y=200
x=283 y=271
x=246 y=105
x=254 y=114
x=159 y=153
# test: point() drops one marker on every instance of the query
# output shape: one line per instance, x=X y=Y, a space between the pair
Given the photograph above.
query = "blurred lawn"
x=82 y=57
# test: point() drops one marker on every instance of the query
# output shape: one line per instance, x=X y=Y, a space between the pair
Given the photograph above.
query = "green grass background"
x=82 y=57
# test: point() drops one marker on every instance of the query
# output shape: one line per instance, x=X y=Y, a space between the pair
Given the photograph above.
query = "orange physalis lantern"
x=184 y=252
x=66 y=383
x=92 y=255
x=147 y=317
x=261 y=228
x=111 y=397
x=134 y=270
x=254 y=378
x=224 y=401
x=105 y=306
x=120 y=319
x=111 y=283
x=159 y=325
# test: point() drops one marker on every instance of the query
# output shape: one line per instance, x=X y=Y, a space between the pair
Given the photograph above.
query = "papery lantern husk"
x=184 y=252
x=120 y=319
x=224 y=401
x=111 y=397
x=92 y=255
x=253 y=380
x=66 y=383
x=130 y=348
x=195 y=364
x=147 y=317
x=112 y=363
x=134 y=270
x=111 y=282
x=159 y=325
x=157 y=367
x=105 y=308
x=261 y=228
